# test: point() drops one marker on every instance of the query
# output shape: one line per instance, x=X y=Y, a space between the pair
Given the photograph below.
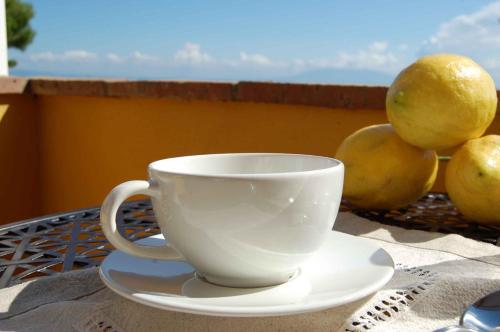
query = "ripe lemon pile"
x=439 y=102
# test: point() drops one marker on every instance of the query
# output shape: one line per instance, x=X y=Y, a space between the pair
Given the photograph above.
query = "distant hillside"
x=36 y=73
x=325 y=76
x=343 y=76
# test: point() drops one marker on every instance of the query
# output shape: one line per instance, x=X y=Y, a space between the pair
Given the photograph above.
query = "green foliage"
x=19 y=32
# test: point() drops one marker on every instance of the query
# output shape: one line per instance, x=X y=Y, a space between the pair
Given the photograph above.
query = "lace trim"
x=388 y=305
x=407 y=285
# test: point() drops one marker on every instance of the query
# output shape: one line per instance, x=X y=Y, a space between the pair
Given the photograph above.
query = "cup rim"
x=336 y=164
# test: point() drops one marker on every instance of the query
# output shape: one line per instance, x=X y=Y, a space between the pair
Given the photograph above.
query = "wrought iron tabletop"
x=74 y=240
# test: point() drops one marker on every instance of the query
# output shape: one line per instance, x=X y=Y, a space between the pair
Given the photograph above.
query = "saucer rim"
x=259 y=311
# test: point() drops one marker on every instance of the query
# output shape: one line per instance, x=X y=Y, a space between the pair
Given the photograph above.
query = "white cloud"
x=143 y=57
x=403 y=47
x=43 y=56
x=115 y=58
x=71 y=55
x=256 y=58
x=492 y=63
x=375 y=56
x=192 y=54
x=78 y=55
x=476 y=35
x=479 y=28
x=136 y=57
x=378 y=46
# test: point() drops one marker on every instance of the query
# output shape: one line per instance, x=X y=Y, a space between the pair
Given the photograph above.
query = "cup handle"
x=108 y=221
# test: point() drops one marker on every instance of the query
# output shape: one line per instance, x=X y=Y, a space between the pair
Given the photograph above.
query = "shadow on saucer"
x=80 y=299
x=381 y=258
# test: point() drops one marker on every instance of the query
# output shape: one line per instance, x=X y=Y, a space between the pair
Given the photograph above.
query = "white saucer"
x=345 y=269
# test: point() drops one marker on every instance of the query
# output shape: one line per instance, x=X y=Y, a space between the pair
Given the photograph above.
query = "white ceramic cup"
x=242 y=220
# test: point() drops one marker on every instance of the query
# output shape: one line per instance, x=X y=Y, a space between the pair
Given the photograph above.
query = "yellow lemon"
x=382 y=171
x=473 y=179
x=441 y=101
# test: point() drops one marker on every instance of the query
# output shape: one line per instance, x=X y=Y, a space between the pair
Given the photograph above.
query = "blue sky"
x=304 y=41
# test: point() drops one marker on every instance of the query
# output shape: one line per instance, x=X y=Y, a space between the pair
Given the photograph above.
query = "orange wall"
x=90 y=145
x=61 y=153
x=19 y=162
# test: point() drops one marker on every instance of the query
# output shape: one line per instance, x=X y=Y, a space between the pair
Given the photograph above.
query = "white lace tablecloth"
x=437 y=277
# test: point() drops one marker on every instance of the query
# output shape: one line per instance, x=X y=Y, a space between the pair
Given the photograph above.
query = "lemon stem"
x=444 y=158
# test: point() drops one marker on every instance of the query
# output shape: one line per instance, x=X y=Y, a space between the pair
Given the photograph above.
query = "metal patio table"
x=74 y=240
